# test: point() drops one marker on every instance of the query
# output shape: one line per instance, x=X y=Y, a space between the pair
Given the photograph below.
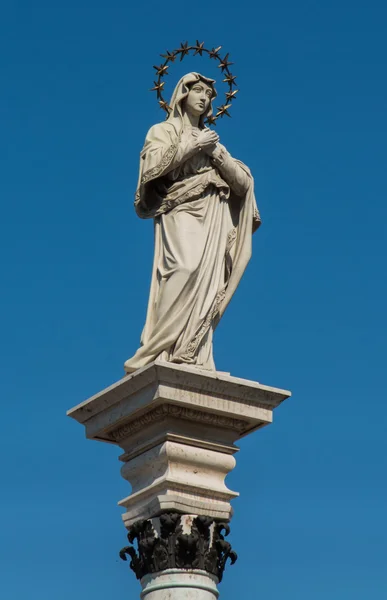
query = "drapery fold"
x=205 y=213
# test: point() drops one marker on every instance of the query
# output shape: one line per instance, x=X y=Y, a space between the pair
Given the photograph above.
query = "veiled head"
x=198 y=99
x=194 y=93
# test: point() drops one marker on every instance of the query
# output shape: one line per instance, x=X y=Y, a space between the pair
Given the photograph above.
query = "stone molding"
x=182 y=470
x=179 y=412
x=175 y=541
x=183 y=377
x=177 y=427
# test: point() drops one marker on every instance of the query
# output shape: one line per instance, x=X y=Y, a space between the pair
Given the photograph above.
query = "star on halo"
x=223 y=110
x=211 y=121
x=214 y=53
x=161 y=70
x=231 y=94
x=164 y=105
x=230 y=79
x=199 y=48
x=184 y=49
x=159 y=86
x=225 y=63
x=169 y=56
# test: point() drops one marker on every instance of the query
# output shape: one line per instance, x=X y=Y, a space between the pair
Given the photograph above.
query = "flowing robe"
x=205 y=213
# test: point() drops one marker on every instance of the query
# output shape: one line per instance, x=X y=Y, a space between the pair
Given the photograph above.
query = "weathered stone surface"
x=177 y=427
x=205 y=214
x=174 y=541
x=177 y=584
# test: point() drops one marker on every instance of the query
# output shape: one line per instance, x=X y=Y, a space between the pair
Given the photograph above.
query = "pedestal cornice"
x=177 y=427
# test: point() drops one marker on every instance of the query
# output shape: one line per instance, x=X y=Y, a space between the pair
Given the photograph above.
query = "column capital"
x=175 y=541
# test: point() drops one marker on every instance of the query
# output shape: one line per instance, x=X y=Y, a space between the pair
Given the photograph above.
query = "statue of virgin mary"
x=204 y=210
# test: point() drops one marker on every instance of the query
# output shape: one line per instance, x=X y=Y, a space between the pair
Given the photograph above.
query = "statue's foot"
x=129 y=368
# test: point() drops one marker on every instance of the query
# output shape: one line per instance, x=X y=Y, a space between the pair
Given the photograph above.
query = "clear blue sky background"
x=310 y=314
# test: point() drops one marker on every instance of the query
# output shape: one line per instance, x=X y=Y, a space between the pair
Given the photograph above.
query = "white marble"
x=177 y=427
x=203 y=203
x=194 y=476
x=176 y=584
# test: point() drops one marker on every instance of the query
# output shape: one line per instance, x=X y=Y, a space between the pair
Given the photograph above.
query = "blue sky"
x=310 y=314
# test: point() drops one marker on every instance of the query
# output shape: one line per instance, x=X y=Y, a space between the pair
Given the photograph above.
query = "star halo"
x=198 y=48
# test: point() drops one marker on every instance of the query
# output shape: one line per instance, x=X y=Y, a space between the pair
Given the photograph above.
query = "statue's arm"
x=164 y=151
x=237 y=177
x=185 y=150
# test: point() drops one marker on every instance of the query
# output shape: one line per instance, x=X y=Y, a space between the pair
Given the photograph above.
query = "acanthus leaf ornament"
x=198 y=49
x=204 y=547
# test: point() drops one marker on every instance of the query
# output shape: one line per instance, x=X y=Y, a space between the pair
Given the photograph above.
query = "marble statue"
x=204 y=210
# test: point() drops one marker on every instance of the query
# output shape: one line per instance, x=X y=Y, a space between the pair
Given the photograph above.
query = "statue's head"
x=193 y=94
x=198 y=99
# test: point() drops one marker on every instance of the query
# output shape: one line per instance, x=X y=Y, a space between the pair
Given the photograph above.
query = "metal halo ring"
x=183 y=51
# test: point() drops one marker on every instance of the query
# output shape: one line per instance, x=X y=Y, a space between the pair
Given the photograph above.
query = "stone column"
x=178 y=584
x=177 y=427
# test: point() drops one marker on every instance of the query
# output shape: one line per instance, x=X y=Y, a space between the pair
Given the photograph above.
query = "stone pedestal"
x=177 y=427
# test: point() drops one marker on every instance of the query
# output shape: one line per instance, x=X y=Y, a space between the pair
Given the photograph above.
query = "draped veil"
x=205 y=212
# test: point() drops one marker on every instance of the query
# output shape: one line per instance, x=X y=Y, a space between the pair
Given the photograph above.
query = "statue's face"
x=198 y=99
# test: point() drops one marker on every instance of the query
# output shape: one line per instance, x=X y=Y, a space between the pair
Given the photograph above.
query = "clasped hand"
x=207 y=140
